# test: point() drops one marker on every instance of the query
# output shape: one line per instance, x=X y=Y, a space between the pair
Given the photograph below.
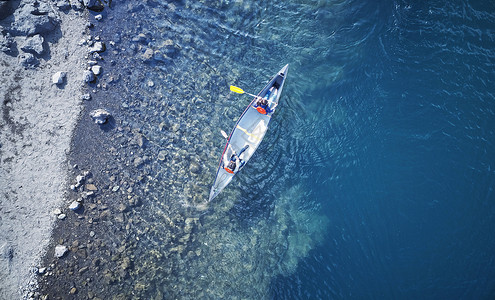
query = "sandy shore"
x=38 y=118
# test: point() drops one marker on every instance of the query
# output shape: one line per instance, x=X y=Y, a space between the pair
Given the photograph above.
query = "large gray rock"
x=97 y=47
x=33 y=44
x=100 y=116
x=59 y=78
x=88 y=76
x=34 y=17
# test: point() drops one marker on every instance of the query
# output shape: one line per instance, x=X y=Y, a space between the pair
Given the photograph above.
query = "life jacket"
x=261 y=110
x=230 y=167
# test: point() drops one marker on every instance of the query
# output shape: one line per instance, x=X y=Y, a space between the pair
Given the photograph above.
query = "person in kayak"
x=235 y=163
x=262 y=106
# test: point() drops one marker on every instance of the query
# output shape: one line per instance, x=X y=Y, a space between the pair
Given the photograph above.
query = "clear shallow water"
x=375 y=179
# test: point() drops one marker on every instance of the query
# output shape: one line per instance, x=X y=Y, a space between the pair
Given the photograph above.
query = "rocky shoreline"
x=108 y=165
x=45 y=50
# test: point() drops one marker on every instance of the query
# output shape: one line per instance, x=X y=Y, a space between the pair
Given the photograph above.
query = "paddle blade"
x=236 y=89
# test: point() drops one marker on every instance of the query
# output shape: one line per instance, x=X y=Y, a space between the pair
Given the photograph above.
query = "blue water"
x=375 y=179
x=408 y=185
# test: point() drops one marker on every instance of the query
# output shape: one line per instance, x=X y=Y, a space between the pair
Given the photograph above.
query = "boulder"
x=34 y=17
x=33 y=44
x=59 y=78
x=88 y=76
x=100 y=116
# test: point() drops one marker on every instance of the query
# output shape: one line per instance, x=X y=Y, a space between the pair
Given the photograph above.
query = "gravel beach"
x=40 y=43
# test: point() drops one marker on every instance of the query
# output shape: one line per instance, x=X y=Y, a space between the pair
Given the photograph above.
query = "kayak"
x=248 y=132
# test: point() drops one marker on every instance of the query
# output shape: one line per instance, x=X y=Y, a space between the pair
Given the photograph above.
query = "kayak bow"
x=248 y=131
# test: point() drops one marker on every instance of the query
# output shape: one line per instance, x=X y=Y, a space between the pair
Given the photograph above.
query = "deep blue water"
x=375 y=179
x=409 y=186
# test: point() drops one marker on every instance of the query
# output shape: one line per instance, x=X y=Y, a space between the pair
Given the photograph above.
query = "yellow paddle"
x=239 y=90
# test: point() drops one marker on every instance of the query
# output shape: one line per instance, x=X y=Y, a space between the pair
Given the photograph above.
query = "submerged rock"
x=100 y=116
x=33 y=44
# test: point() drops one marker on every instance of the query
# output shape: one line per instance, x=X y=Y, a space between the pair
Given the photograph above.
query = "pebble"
x=91 y=233
x=57 y=211
x=115 y=188
x=86 y=97
x=61 y=216
x=59 y=78
x=74 y=206
x=98 y=17
x=100 y=116
x=60 y=250
x=41 y=271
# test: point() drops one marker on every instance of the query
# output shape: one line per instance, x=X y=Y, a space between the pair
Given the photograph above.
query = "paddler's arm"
x=237 y=164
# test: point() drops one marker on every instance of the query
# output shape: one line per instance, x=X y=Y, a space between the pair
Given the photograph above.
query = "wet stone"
x=96 y=70
x=148 y=54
